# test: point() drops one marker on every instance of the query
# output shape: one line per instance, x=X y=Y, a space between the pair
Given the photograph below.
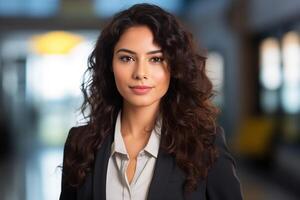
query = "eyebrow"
x=132 y=52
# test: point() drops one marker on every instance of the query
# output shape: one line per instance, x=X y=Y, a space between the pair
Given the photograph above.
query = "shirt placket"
x=127 y=193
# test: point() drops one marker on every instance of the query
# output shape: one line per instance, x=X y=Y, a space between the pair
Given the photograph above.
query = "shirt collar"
x=118 y=144
x=152 y=146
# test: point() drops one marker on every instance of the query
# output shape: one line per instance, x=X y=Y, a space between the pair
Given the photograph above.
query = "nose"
x=141 y=71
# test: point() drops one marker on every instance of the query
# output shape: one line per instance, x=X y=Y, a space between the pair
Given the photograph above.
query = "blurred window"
x=270 y=74
x=215 y=71
x=279 y=73
x=31 y=8
x=291 y=72
x=108 y=8
x=42 y=73
x=54 y=72
x=270 y=70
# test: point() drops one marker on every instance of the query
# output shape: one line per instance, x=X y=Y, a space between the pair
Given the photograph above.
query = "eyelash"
x=155 y=59
x=126 y=59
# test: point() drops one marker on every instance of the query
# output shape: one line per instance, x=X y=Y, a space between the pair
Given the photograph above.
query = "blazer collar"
x=162 y=170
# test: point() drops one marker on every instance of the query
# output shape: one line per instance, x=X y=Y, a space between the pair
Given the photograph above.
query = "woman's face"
x=141 y=73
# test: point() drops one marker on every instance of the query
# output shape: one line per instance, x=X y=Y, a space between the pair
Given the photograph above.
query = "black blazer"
x=222 y=182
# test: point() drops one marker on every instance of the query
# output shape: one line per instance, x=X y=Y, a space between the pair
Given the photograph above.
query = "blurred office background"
x=253 y=49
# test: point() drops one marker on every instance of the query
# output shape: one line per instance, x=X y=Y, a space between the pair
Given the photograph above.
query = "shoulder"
x=75 y=130
x=222 y=180
x=221 y=144
x=68 y=191
x=75 y=133
x=74 y=140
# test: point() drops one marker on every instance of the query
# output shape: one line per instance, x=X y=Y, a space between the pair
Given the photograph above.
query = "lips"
x=140 y=89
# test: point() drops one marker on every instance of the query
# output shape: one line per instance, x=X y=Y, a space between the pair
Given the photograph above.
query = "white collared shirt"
x=117 y=185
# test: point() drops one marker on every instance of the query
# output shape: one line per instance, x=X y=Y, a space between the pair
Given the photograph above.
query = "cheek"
x=120 y=73
x=162 y=77
x=118 y=76
x=119 y=81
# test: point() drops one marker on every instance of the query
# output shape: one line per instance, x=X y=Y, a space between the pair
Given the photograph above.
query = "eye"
x=157 y=59
x=126 y=59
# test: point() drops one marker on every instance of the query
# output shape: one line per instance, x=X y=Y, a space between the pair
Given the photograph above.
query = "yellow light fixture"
x=55 y=42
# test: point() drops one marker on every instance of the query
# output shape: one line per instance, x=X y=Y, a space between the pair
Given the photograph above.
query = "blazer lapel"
x=162 y=171
x=101 y=162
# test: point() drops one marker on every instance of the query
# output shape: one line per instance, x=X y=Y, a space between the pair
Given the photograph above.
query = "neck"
x=138 y=122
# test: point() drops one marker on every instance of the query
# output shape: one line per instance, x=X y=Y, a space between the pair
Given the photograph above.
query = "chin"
x=141 y=102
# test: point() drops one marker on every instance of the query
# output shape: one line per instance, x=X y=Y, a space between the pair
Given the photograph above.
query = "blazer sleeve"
x=67 y=192
x=222 y=181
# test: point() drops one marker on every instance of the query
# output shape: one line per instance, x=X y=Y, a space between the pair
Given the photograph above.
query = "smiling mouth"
x=140 y=90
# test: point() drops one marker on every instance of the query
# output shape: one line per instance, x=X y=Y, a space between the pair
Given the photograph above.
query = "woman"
x=151 y=132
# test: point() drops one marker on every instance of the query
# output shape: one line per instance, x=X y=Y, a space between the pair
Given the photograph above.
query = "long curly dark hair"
x=188 y=116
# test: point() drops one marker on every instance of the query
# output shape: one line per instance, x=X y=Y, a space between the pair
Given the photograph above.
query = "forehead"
x=138 y=39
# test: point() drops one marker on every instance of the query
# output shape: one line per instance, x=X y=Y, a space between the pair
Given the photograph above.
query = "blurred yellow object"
x=254 y=137
x=55 y=42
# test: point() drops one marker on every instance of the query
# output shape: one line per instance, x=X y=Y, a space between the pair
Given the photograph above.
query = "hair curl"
x=188 y=126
